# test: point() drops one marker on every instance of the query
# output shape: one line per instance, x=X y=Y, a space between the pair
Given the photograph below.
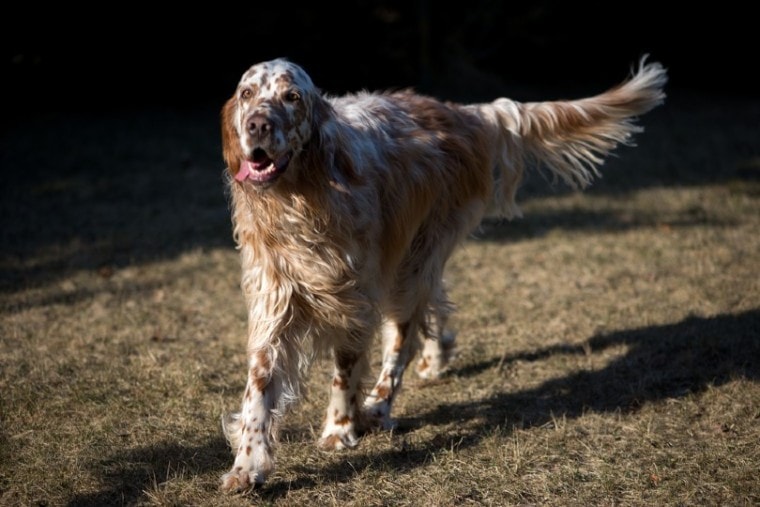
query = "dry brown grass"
x=609 y=341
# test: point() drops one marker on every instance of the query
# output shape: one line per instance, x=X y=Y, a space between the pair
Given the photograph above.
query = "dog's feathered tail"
x=570 y=138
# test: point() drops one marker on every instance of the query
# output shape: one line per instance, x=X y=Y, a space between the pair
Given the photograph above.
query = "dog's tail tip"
x=649 y=75
x=645 y=63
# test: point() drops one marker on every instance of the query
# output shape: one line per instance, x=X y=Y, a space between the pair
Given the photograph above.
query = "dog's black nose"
x=258 y=125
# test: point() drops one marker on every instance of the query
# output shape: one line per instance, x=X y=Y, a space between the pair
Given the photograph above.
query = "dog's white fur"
x=345 y=210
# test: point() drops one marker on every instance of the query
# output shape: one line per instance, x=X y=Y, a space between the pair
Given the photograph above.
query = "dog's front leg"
x=343 y=410
x=252 y=432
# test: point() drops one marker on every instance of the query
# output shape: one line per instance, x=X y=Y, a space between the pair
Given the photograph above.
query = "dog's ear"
x=319 y=150
x=328 y=143
x=231 y=150
x=321 y=111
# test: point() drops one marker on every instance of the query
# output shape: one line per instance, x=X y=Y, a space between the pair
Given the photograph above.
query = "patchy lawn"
x=609 y=342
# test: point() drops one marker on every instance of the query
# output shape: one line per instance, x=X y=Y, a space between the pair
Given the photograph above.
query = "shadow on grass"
x=100 y=192
x=536 y=224
x=131 y=472
x=662 y=362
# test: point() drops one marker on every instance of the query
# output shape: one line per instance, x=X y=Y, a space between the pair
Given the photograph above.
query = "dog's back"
x=433 y=164
x=426 y=164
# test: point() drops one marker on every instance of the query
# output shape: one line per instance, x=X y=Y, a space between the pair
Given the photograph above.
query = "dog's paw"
x=377 y=417
x=436 y=356
x=426 y=370
x=338 y=440
x=246 y=475
x=237 y=480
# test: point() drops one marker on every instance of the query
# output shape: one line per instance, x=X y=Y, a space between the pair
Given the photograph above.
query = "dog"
x=345 y=211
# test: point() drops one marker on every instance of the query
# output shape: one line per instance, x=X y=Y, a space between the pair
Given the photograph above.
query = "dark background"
x=117 y=55
x=110 y=145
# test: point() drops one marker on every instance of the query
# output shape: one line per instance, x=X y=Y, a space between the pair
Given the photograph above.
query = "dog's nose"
x=258 y=125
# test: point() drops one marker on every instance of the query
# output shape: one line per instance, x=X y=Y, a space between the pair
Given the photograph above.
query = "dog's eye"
x=246 y=93
x=292 y=96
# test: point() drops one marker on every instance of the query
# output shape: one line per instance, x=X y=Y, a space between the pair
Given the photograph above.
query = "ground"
x=609 y=341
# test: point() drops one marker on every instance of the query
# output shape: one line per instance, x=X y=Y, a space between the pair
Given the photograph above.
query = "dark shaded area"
x=110 y=147
x=663 y=362
x=131 y=473
x=136 y=54
x=101 y=191
x=537 y=224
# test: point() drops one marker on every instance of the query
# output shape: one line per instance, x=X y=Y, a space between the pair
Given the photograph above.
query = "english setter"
x=345 y=211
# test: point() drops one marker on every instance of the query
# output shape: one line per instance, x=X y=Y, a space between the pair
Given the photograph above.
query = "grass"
x=609 y=342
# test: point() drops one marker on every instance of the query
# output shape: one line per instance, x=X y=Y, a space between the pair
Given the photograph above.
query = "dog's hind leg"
x=440 y=343
x=400 y=342
x=344 y=409
x=418 y=303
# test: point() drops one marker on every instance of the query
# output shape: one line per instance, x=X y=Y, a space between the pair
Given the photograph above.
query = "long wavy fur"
x=356 y=232
x=570 y=138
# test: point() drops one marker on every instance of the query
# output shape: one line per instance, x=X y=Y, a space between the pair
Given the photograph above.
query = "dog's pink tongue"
x=245 y=170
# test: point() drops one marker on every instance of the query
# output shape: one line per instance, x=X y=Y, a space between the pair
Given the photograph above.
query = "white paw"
x=426 y=369
x=377 y=416
x=238 y=480
x=337 y=439
x=436 y=357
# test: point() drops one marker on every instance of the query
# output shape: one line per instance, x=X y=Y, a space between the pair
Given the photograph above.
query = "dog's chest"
x=306 y=256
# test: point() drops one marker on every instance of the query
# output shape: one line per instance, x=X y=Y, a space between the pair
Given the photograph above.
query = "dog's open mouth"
x=260 y=168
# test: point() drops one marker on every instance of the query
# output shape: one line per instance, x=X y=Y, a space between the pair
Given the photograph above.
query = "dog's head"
x=268 y=122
